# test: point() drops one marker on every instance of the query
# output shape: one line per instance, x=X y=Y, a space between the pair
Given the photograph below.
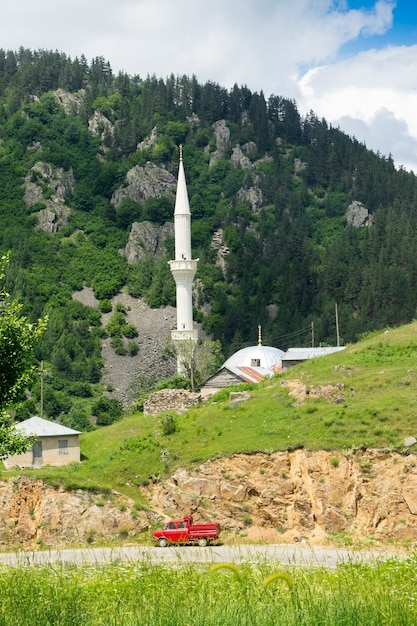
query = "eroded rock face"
x=217 y=243
x=279 y=497
x=33 y=514
x=288 y=496
x=147 y=238
x=145 y=182
x=70 y=101
x=99 y=125
x=222 y=137
x=49 y=185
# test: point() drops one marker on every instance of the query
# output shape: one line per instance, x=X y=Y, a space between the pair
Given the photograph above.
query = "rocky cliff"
x=290 y=496
x=296 y=495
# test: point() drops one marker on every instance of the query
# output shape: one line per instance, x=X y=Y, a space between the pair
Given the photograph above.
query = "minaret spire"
x=183 y=269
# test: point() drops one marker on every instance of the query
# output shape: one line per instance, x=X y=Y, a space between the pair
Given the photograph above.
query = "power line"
x=296 y=333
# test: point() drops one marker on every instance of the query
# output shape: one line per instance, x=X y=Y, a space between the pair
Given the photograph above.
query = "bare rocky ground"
x=154 y=326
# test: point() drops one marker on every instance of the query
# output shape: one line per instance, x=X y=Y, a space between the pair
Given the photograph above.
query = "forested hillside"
x=289 y=215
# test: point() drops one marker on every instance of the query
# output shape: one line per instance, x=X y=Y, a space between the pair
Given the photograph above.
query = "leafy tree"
x=17 y=338
x=106 y=411
x=198 y=360
x=77 y=419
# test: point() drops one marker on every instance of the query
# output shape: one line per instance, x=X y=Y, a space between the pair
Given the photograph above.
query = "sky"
x=353 y=62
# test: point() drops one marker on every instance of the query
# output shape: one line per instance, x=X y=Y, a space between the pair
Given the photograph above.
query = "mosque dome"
x=256 y=356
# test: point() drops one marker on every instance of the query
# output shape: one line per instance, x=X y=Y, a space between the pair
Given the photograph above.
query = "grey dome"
x=256 y=356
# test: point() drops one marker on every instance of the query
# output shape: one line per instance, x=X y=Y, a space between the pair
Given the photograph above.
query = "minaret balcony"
x=184 y=264
x=184 y=335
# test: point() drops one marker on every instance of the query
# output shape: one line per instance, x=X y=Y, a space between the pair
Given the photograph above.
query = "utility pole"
x=312 y=334
x=42 y=374
x=337 y=326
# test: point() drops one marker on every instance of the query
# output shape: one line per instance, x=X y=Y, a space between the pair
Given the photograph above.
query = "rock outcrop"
x=358 y=215
x=49 y=186
x=70 y=101
x=147 y=238
x=222 y=138
x=300 y=495
x=145 y=182
x=319 y=497
x=33 y=514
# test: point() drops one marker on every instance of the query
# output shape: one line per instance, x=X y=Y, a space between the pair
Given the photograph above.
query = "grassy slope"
x=382 y=370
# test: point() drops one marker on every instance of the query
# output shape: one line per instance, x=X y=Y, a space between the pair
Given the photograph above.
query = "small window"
x=256 y=362
x=62 y=446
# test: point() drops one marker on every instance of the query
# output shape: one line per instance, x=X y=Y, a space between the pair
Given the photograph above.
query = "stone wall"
x=170 y=400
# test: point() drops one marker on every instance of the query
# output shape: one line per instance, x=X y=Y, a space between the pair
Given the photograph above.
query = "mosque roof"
x=264 y=357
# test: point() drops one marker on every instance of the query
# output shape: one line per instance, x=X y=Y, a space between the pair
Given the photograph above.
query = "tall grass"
x=143 y=594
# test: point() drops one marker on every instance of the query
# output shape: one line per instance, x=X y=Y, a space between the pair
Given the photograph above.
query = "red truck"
x=184 y=531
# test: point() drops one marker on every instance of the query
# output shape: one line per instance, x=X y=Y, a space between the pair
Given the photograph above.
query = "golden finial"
x=180 y=151
x=259 y=335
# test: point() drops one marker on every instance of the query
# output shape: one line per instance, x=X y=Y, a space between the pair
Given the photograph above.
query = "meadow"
x=144 y=594
x=377 y=409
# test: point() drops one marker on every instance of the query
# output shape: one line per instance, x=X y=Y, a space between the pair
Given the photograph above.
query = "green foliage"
x=17 y=339
x=168 y=425
x=106 y=411
x=371 y=593
x=77 y=419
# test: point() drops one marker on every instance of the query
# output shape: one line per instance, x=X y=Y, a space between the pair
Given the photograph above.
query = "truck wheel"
x=162 y=542
x=202 y=542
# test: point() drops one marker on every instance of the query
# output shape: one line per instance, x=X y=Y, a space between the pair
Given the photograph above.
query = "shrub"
x=129 y=331
x=169 y=425
x=118 y=346
x=132 y=348
x=107 y=411
x=105 y=306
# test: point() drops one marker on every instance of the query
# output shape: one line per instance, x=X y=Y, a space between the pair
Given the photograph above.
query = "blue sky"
x=402 y=33
x=353 y=62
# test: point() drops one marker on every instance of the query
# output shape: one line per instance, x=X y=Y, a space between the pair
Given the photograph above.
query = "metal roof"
x=249 y=374
x=268 y=357
x=44 y=428
x=302 y=354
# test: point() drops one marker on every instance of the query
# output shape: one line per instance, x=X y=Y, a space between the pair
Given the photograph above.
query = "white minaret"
x=183 y=270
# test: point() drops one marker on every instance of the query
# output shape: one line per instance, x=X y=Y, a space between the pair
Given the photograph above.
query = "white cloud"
x=373 y=95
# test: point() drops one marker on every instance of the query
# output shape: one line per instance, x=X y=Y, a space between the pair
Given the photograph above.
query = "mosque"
x=250 y=364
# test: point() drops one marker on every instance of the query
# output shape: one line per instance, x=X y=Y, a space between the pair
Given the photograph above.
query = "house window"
x=255 y=362
x=62 y=446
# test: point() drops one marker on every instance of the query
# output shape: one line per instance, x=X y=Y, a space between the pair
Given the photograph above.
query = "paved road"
x=281 y=554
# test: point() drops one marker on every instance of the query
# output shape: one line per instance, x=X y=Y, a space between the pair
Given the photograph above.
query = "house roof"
x=249 y=374
x=44 y=428
x=302 y=354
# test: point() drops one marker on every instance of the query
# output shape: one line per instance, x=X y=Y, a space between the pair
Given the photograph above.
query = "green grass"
x=142 y=593
x=378 y=409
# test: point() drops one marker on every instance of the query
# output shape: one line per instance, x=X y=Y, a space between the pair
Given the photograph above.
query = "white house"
x=55 y=444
